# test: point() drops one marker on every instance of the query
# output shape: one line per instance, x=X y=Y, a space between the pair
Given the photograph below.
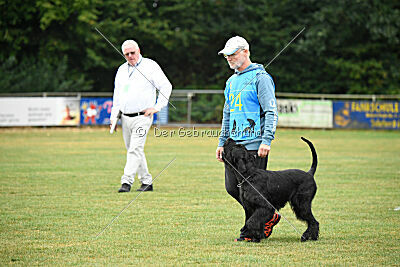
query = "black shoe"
x=146 y=187
x=124 y=188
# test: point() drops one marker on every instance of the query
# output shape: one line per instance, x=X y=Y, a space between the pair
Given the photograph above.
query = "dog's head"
x=237 y=156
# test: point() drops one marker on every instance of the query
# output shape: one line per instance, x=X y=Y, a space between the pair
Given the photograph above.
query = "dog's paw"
x=305 y=237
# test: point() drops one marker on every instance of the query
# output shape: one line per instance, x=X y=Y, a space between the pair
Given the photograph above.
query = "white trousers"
x=134 y=132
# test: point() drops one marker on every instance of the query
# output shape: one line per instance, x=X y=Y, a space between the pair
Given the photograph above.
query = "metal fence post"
x=79 y=96
x=189 y=107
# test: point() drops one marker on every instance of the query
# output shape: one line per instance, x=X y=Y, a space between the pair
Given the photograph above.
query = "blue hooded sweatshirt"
x=250 y=112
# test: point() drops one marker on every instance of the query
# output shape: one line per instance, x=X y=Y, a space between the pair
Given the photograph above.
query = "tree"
x=347 y=47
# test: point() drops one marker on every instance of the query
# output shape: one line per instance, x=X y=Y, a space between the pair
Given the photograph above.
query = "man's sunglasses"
x=127 y=54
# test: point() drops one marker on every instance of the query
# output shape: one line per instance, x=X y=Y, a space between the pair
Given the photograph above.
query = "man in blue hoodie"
x=250 y=114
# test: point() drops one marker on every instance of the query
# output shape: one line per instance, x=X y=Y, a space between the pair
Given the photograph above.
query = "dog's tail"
x=314 y=156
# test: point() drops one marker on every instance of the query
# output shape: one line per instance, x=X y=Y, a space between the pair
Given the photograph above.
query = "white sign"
x=305 y=113
x=39 y=111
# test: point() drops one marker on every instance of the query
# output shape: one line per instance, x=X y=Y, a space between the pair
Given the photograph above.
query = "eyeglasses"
x=234 y=54
x=127 y=54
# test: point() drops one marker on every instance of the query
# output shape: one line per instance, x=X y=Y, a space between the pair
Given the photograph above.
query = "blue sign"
x=97 y=111
x=161 y=117
x=366 y=114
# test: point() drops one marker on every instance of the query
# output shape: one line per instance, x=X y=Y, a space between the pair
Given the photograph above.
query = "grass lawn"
x=58 y=190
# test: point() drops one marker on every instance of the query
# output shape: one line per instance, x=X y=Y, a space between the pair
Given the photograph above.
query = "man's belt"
x=134 y=114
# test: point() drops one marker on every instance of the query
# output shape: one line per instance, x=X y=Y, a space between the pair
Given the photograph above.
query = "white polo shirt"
x=135 y=88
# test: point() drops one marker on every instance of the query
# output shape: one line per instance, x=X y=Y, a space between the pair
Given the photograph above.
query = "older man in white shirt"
x=136 y=84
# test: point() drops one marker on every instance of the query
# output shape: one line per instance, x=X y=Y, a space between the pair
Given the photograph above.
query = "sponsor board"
x=366 y=114
x=97 y=111
x=32 y=111
x=304 y=113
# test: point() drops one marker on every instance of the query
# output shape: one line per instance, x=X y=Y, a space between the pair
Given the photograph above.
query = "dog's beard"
x=241 y=160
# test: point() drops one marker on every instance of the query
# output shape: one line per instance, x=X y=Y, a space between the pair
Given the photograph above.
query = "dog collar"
x=244 y=180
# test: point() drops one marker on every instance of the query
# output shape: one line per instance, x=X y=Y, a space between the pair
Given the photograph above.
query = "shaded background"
x=347 y=47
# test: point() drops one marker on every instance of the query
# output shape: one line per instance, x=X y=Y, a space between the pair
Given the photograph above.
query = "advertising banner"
x=32 y=111
x=97 y=111
x=305 y=113
x=366 y=114
x=161 y=117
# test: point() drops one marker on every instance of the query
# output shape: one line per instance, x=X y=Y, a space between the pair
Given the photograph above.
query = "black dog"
x=278 y=187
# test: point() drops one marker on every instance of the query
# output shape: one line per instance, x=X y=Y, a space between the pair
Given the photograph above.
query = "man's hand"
x=219 y=153
x=150 y=111
x=263 y=150
x=116 y=126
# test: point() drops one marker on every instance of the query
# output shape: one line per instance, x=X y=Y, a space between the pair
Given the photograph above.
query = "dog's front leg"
x=255 y=224
x=244 y=232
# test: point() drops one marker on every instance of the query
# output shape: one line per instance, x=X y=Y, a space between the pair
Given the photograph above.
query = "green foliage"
x=347 y=47
x=39 y=76
x=351 y=47
x=179 y=113
x=205 y=108
x=208 y=108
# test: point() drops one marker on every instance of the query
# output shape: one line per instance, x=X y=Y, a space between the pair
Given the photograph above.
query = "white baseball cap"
x=233 y=45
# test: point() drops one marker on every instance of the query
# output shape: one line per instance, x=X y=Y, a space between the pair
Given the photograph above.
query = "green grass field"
x=59 y=190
